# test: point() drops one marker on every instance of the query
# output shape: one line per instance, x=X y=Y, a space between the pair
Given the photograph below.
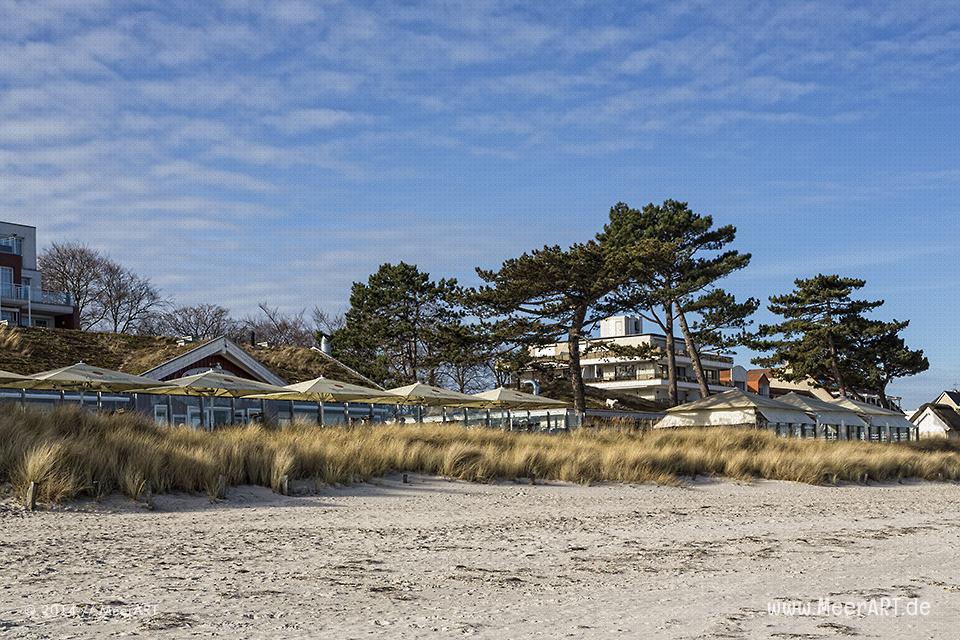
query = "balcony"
x=11 y=244
x=646 y=377
x=38 y=296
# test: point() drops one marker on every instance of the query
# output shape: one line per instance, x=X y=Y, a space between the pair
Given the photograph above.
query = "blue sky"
x=245 y=151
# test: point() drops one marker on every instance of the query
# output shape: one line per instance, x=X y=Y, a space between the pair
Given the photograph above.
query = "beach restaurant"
x=220 y=382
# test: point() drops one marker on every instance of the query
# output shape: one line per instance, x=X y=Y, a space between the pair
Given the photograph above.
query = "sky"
x=237 y=152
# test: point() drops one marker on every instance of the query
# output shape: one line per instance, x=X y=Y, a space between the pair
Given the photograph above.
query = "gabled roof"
x=734 y=407
x=944 y=412
x=30 y=350
x=217 y=347
x=732 y=399
x=826 y=412
x=952 y=396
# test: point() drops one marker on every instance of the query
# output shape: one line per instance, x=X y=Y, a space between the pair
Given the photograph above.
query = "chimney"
x=325 y=345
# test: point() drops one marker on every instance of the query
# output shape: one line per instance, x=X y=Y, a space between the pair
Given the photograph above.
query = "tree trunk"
x=576 y=374
x=693 y=353
x=841 y=387
x=672 y=393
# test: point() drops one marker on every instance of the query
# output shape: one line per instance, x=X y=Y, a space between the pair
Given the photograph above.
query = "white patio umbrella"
x=511 y=399
x=83 y=377
x=322 y=390
x=424 y=395
x=216 y=384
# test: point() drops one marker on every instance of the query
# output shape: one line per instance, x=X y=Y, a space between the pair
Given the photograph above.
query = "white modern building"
x=645 y=377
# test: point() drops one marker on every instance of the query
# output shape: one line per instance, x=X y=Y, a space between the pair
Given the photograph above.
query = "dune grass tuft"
x=69 y=452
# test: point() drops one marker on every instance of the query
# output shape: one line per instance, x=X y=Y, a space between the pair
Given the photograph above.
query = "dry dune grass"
x=68 y=452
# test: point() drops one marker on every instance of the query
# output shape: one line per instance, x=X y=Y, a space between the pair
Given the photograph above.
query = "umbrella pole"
x=487 y=420
x=63 y=396
x=100 y=401
x=23 y=399
x=371 y=413
x=170 y=410
x=81 y=398
x=292 y=411
x=510 y=419
x=203 y=417
x=319 y=413
x=420 y=413
x=443 y=414
x=263 y=411
x=346 y=414
x=233 y=410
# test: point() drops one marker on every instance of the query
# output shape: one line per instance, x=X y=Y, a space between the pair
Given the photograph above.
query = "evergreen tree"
x=880 y=355
x=819 y=327
x=673 y=256
x=394 y=329
x=557 y=288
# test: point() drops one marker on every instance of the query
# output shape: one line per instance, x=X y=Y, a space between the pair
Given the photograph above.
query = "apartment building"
x=645 y=377
x=23 y=302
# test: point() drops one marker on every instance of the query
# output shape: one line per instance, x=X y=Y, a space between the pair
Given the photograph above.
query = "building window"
x=711 y=375
x=6 y=282
x=10 y=317
x=626 y=372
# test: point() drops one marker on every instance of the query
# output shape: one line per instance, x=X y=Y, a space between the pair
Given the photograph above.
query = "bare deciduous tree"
x=75 y=269
x=277 y=327
x=327 y=323
x=200 y=321
x=127 y=299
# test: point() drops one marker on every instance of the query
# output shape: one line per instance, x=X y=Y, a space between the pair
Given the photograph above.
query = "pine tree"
x=820 y=323
x=674 y=258
x=393 y=331
x=559 y=289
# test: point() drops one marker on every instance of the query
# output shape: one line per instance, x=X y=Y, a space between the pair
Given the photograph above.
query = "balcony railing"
x=649 y=376
x=20 y=292
x=11 y=244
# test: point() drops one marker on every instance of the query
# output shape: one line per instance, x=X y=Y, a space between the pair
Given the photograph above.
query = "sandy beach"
x=442 y=559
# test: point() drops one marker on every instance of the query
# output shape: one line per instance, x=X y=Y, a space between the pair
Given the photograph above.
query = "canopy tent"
x=733 y=408
x=876 y=416
x=216 y=384
x=826 y=413
x=504 y=398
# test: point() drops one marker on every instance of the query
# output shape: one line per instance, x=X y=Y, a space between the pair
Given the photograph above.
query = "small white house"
x=937 y=421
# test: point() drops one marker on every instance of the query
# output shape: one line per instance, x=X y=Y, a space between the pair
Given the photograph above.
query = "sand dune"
x=447 y=559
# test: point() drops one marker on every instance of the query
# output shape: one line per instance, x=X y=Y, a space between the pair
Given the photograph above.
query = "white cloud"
x=305 y=120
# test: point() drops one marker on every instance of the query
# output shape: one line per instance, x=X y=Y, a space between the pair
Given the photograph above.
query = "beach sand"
x=441 y=559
